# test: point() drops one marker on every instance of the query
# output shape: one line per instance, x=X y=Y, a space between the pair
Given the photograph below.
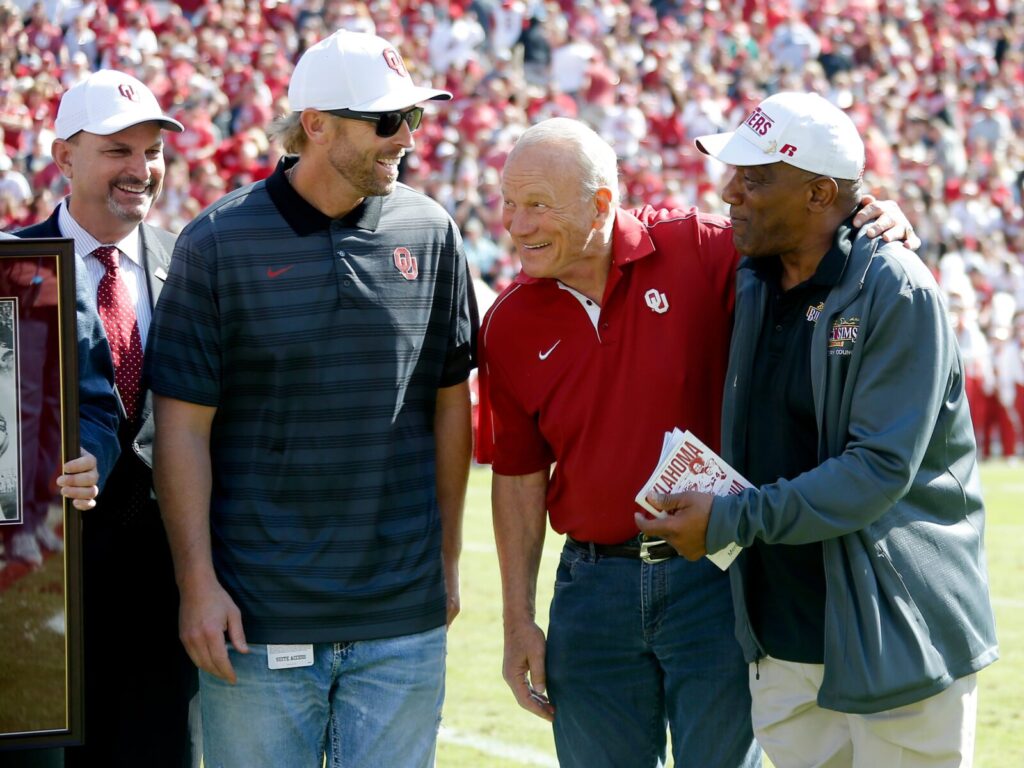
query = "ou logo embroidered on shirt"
x=657 y=301
x=406 y=263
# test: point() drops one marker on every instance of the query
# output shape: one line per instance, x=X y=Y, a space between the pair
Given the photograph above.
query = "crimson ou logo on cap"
x=393 y=60
x=128 y=91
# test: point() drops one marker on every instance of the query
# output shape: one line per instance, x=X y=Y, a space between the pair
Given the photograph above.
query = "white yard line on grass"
x=496 y=748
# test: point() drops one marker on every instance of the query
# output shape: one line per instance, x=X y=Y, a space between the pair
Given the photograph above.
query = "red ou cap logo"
x=395 y=61
x=127 y=91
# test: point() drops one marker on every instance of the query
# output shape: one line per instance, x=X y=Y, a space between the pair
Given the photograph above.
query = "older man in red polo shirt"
x=616 y=331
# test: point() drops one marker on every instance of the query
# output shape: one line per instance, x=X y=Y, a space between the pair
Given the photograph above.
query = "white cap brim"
x=119 y=123
x=732 y=149
x=66 y=128
x=401 y=99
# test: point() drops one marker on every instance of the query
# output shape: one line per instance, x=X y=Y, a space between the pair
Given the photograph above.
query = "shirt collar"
x=831 y=268
x=630 y=239
x=86 y=243
x=303 y=217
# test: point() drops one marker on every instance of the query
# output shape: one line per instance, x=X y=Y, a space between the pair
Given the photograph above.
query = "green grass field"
x=483 y=726
x=32 y=652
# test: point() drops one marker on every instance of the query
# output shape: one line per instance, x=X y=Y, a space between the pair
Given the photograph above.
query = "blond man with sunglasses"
x=310 y=358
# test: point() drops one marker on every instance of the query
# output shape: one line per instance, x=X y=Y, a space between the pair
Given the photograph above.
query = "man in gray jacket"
x=862 y=595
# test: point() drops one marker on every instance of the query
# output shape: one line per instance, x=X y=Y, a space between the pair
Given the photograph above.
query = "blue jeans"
x=365 y=703
x=633 y=647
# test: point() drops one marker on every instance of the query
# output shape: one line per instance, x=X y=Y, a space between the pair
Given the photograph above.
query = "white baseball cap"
x=107 y=102
x=354 y=70
x=801 y=129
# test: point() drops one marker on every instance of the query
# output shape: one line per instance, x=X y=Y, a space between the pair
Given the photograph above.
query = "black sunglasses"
x=388 y=123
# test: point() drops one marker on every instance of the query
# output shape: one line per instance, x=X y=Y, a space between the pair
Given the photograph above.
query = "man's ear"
x=315 y=124
x=62 y=155
x=605 y=208
x=822 y=194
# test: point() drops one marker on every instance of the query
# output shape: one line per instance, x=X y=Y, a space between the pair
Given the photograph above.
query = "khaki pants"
x=795 y=732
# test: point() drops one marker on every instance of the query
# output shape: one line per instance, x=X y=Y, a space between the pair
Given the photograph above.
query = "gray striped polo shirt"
x=322 y=343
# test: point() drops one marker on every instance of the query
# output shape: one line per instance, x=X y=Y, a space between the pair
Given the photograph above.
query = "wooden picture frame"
x=40 y=603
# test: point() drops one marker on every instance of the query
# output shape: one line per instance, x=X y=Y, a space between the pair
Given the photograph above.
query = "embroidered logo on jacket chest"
x=843 y=336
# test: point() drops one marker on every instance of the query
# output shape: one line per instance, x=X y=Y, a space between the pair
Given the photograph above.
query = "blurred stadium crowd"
x=936 y=87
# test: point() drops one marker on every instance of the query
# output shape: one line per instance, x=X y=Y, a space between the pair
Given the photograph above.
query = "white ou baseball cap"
x=107 y=102
x=801 y=129
x=354 y=70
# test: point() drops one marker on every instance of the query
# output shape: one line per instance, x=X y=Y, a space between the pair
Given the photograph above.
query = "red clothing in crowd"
x=198 y=140
x=44 y=35
x=651 y=358
x=478 y=116
x=240 y=160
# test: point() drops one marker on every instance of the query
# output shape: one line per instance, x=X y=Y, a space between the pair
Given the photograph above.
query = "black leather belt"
x=650 y=551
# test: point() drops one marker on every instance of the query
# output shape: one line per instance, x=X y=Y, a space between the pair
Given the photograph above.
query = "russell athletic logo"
x=406 y=263
x=657 y=301
x=843 y=336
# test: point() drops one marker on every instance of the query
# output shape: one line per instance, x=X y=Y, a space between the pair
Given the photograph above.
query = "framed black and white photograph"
x=10 y=415
x=40 y=545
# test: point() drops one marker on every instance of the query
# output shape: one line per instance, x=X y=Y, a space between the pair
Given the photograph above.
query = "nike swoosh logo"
x=544 y=355
x=272 y=273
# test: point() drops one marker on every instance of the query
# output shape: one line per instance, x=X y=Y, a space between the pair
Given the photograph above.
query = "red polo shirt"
x=597 y=398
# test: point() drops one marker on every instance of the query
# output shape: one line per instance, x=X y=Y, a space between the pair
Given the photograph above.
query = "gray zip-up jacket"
x=896 y=496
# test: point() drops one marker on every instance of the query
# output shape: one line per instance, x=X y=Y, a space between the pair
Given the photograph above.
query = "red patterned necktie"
x=122 y=327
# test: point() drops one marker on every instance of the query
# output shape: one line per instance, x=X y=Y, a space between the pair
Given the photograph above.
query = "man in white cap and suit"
x=310 y=358
x=138 y=680
x=861 y=597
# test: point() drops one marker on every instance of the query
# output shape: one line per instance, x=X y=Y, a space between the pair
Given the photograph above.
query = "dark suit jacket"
x=132 y=719
x=157 y=246
x=98 y=405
